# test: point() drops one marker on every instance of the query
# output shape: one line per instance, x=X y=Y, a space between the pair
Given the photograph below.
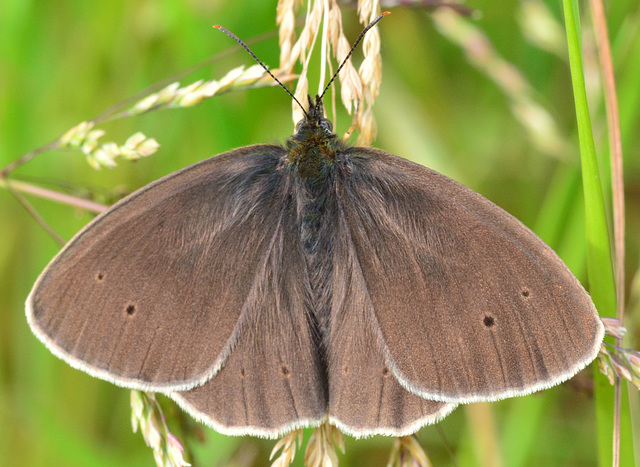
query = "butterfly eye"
x=326 y=126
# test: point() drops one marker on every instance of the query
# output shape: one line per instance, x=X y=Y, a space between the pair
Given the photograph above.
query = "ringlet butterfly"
x=271 y=287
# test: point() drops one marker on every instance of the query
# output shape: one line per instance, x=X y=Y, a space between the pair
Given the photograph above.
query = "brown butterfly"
x=271 y=287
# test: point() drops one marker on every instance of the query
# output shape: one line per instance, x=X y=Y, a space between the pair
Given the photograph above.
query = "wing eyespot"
x=285 y=371
x=489 y=321
x=130 y=309
x=385 y=372
x=99 y=277
x=525 y=292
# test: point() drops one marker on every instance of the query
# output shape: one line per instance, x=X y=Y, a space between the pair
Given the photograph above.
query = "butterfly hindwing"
x=365 y=398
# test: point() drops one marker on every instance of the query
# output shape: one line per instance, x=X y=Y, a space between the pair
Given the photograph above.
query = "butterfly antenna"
x=246 y=47
x=355 y=44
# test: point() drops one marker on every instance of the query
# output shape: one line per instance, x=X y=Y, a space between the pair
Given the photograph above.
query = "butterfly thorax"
x=311 y=153
x=312 y=149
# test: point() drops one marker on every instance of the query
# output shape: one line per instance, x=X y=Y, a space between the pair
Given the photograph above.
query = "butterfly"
x=275 y=287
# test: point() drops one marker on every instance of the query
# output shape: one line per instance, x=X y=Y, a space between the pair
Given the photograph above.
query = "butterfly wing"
x=155 y=293
x=467 y=303
x=273 y=381
x=365 y=398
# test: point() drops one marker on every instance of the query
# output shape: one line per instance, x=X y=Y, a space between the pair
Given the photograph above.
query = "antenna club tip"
x=384 y=13
x=217 y=26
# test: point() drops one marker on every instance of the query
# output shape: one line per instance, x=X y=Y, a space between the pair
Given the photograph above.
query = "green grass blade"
x=600 y=268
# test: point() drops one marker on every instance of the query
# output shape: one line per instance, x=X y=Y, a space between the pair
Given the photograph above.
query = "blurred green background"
x=477 y=121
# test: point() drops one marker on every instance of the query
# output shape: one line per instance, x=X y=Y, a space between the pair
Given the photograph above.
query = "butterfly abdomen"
x=314 y=200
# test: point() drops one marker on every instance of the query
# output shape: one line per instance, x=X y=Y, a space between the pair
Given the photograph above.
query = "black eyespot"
x=285 y=371
x=385 y=372
x=525 y=292
x=131 y=309
x=241 y=372
x=345 y=370
x=99 y=277
x=488 y=321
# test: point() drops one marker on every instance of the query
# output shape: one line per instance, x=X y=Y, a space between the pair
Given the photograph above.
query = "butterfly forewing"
x=156 y=303
x=468 y=303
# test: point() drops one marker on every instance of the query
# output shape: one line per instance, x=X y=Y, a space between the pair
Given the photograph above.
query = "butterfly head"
x=314 y=124
x=314 y=145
